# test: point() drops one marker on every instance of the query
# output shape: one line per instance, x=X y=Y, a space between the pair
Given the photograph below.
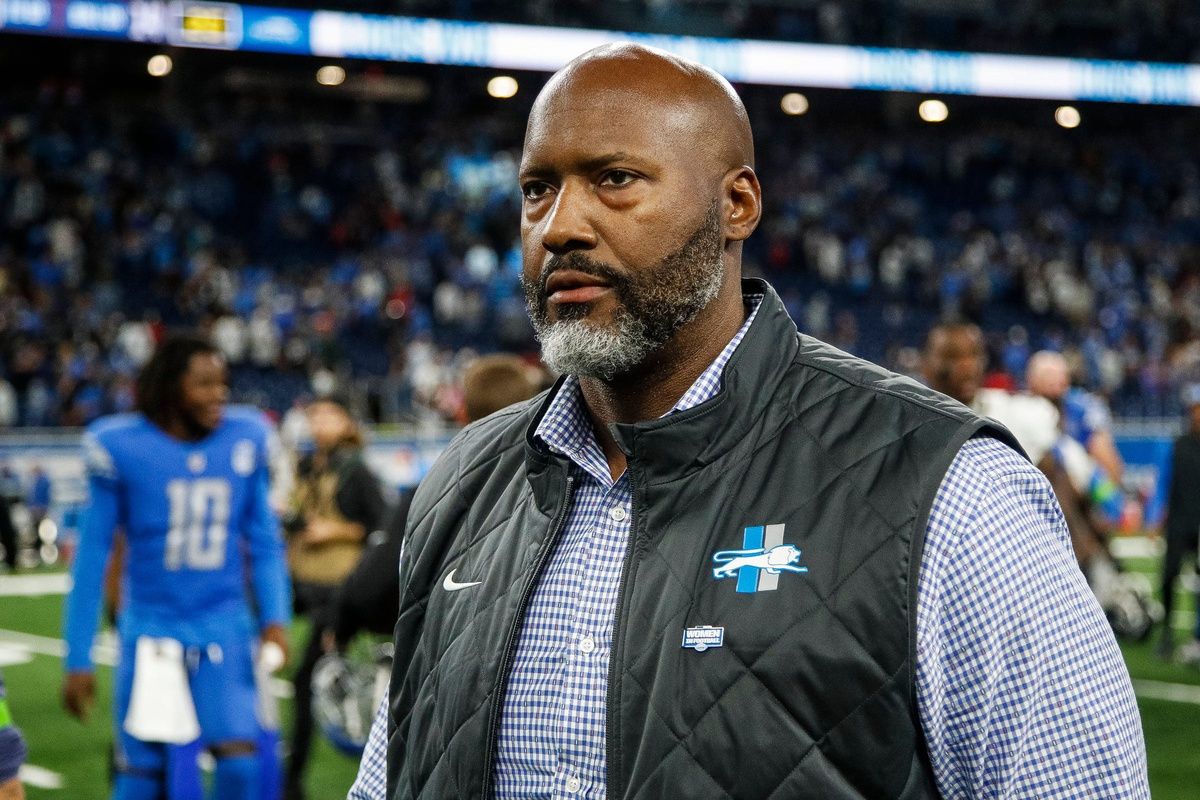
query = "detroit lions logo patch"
x=763 y=557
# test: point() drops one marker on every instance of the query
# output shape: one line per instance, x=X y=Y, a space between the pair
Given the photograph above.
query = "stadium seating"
x=370 y=244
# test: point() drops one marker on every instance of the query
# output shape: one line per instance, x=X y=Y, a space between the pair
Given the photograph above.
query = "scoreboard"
x=206 y=25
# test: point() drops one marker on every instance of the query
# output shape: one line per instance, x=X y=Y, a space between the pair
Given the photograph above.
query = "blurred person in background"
x=370 y=597
x=1182 y=526
x=954 y=361
x=186 y=477
x=1085 y=416
x=12 y=752
x=9 y=538
x=37 y=500
x=1086 y=449
x=337 y=502
x=496 y=381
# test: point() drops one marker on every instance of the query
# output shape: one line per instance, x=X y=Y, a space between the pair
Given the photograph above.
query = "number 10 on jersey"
x=199 y=523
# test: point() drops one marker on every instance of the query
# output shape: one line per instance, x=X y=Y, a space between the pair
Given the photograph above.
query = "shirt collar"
x=566 y=427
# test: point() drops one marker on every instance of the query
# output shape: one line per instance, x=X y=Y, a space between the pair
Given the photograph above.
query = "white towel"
x=161 y=708
x=267 y=661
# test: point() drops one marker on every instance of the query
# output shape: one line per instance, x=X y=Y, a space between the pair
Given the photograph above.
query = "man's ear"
x=743 y=203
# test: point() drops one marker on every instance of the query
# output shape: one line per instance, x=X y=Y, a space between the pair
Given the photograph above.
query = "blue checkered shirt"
x=1021 y=689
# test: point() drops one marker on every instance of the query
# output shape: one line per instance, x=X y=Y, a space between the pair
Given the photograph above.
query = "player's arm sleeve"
x=100 y=518
x=1022 y=691
x=371 y=783
x=268 y=567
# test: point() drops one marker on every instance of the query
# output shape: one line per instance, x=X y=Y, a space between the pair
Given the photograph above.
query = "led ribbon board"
x=233 y=26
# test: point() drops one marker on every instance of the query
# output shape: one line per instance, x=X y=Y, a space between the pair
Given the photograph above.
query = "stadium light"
x=794 y=104
x=331 y=75
x=933 y=111
x=160 y=66
x=1067 y=116
x=502 y=86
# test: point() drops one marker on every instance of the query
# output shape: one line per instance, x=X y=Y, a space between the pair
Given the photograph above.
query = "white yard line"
x=1175 y=692
x=40 y=777
x=102 y=653
x=55 y=583
x=11 y=655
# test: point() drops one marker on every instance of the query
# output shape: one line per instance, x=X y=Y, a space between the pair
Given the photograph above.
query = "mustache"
x=581 y=262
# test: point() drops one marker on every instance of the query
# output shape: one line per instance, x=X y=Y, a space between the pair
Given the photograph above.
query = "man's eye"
x=535 y=191
x=618 y=177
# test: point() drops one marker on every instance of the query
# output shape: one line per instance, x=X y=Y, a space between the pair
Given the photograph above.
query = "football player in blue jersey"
x=205 y=586
x=1085 y=416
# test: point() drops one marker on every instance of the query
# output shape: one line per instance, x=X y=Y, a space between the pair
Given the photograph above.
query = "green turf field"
x=79 y=752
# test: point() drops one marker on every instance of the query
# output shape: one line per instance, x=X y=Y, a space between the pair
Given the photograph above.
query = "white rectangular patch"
x=703 y=637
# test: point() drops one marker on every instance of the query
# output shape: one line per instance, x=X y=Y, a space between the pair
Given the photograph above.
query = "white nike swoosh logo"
x=451 y=585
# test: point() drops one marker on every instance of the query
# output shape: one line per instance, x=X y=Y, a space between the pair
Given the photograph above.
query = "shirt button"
x=573 y=784
x=618 y=514
x=587 y=645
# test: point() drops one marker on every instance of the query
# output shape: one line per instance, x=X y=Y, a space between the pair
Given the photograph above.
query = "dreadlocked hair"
x=158 y=382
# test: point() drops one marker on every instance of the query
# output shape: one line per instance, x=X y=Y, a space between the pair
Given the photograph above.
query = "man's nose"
x=568 y=227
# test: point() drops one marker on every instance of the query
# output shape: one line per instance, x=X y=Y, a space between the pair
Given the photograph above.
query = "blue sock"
x=184 y=781
x=237 y=778
x=270 y=770
x=136 y=787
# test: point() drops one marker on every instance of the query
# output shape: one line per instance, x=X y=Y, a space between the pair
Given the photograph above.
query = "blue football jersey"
x=199 y=531
x=1084 y=415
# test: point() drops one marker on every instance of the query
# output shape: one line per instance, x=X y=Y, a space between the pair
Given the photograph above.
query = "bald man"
x=718 y=558
x=1085 y=417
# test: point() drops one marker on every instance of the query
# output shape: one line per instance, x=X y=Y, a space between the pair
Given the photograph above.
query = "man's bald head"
x=695 y=100
x=1048 y=375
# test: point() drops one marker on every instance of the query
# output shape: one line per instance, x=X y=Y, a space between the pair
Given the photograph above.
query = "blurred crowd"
x=1084 y=244
x=318 y=252
x=373 y=248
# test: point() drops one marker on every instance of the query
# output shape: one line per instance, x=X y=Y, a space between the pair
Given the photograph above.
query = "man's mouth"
x=572 y=286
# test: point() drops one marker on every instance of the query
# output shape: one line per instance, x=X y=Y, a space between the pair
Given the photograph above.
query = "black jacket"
x=812 y=693
x=1183 y=500
x=370 y=595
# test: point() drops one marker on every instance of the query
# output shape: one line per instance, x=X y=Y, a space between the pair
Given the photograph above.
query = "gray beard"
x=577 y=348
x=652 y=310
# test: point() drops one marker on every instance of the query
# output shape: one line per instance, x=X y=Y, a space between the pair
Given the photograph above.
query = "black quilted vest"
x=811 y=694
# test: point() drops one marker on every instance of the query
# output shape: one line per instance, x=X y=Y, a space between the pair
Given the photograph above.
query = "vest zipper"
x=612 y=717
x=511 y=642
